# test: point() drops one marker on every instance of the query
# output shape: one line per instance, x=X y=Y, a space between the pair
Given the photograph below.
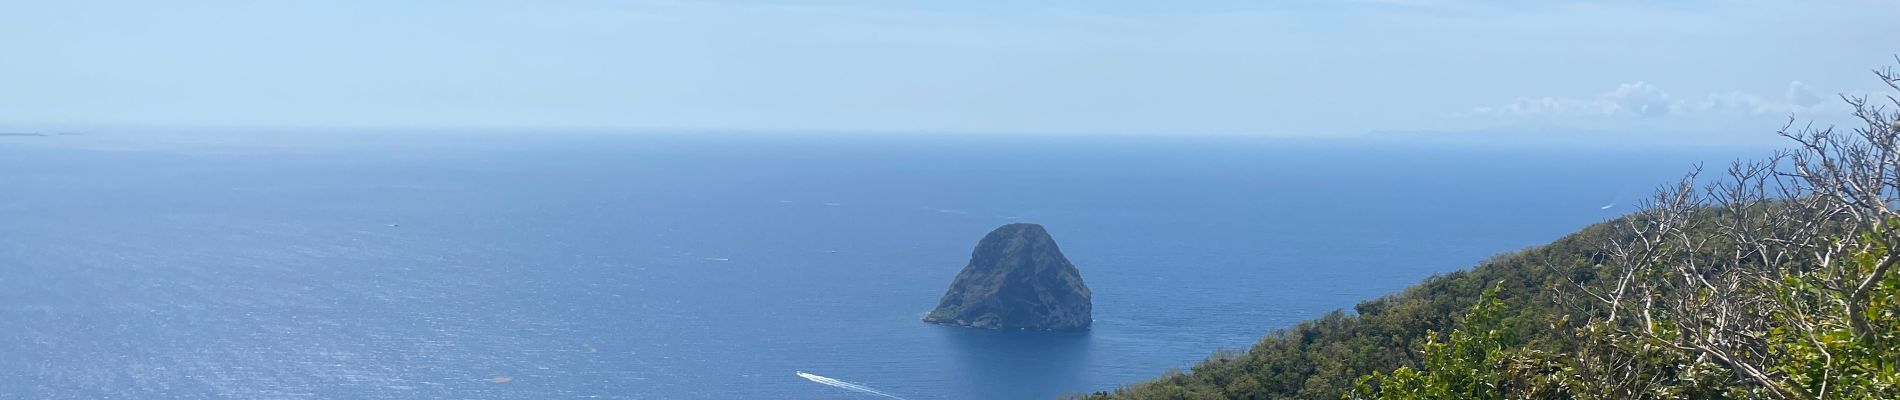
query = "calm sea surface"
x=717 y=266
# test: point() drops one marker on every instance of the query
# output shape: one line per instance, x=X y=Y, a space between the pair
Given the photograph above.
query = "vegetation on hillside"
x=1779 y=280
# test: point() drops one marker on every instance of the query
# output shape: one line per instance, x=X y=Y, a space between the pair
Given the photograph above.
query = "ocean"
x=719 y=265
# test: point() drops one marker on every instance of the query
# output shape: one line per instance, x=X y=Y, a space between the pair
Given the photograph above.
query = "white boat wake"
x=822 y=380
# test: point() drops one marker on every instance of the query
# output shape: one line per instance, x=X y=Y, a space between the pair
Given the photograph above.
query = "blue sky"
x=1295 y=68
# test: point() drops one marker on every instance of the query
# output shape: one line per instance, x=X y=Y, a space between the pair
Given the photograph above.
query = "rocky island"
x=1016 y=279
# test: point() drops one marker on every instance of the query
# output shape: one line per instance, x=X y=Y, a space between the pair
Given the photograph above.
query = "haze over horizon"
x=1304 y=68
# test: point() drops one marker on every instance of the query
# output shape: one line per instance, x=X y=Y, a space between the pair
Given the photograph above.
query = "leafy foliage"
x=1469 y=363
x=1822 y=354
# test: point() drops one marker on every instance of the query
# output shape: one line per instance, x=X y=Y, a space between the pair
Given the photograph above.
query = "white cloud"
x=1803 y=95
x=1638 y=99
x=1645 y=100
x=1799 y=98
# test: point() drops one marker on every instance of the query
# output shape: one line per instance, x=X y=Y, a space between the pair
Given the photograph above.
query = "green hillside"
x=1773 y=279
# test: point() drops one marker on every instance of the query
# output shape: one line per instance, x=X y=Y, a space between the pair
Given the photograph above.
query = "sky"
x=1187 y=67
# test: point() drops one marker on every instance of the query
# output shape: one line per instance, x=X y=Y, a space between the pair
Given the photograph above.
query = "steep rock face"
x=1017 y=279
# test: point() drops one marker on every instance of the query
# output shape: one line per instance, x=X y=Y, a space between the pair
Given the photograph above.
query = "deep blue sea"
x=716 y=266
